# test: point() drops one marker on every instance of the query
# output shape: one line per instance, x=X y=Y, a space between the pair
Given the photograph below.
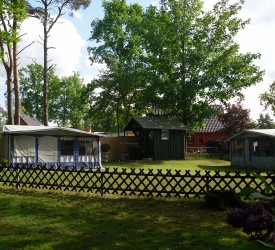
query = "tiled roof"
x=30 y=121
x=211 y=125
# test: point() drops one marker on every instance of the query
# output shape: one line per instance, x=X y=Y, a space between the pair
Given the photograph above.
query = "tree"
x=189 y=57
x=268 y=98
x=49 y=14
x=236 y=118
x=68 y=108
x=66 y=96
x=122 y=83
x=12 y=13
x=31 y=78
x=265 y=122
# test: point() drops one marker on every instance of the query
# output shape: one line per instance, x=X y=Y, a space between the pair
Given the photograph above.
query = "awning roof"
x=254 y=132
x=44 y=130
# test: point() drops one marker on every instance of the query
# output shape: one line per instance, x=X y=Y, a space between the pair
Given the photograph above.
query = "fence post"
x=101 y=182
x=17 y=177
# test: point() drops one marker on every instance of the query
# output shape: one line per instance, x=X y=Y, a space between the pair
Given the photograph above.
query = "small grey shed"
x=253 y=148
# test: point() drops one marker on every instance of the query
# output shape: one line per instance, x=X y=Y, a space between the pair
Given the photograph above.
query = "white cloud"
x=67 y=55
x=77 y=14
x=65 y=40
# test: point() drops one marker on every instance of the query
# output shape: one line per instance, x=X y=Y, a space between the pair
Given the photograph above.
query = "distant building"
x=29 y=121
x=213 y=129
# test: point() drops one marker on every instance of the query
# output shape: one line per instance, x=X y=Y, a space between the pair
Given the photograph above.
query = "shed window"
x=67 y=146
x=238 y=148
x=256 y=147
x=165 y=135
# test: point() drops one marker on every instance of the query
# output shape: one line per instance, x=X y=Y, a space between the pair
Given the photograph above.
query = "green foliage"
x=268 y=98
x=67 y=99
x=67 y=107
x=3 y=116
x=185 y=58
x=236 y=118
x=122 y=84
x=265 y=122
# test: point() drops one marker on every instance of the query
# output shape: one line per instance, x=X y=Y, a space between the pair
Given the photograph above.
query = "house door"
x=149 y=145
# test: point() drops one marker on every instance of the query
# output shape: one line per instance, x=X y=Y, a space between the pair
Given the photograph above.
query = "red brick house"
x=213 y=129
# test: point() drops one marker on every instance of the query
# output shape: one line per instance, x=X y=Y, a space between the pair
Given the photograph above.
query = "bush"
x=255 y=220
x=105 y=148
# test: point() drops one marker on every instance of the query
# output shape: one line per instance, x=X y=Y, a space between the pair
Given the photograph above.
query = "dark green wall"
x=171 y=149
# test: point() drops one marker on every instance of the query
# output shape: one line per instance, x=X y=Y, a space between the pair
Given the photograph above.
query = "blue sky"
x=70 y=37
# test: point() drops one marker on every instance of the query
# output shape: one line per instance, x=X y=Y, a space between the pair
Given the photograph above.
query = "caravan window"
x=67 y=146
x=85 y=146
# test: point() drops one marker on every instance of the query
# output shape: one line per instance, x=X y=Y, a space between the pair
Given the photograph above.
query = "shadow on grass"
x=33 y=220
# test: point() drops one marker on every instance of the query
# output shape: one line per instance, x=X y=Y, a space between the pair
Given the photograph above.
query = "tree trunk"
x=9 y=96
x=45 y=70
x=16 y=79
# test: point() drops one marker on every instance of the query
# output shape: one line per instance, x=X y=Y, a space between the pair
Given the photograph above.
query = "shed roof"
x=211 y=125
x=154 y=123
x=45 y=130
x=254 y=132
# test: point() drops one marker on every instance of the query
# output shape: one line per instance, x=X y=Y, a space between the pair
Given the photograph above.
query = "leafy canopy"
x=186 y=59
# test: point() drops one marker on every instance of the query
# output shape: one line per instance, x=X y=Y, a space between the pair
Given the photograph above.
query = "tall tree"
x=49 y=13
x=189 y=56
x=12 y=13
x=236 y=118
x=268 y=98
x=122 y=83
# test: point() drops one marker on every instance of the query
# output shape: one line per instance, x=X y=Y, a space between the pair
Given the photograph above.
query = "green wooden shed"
x=158 y=138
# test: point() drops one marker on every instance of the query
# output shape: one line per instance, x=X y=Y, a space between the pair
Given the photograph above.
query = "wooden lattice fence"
x=131 y=182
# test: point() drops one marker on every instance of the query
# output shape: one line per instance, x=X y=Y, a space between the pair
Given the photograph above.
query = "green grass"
x=203 y=164
x=52 y=220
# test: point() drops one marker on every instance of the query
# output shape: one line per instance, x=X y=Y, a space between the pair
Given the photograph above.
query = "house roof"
x=154 y=123
x=28 y=120
x=44 y=130
x=253 y=133
x=211 y=125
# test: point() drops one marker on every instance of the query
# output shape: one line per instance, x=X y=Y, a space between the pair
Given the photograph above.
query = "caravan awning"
x=45 y=130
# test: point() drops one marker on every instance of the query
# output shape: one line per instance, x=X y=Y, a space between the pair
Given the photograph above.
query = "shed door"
x=246 y=152
x=47 y=149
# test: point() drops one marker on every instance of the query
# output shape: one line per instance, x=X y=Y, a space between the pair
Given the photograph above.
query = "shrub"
x=255 y=220
x=105 y=148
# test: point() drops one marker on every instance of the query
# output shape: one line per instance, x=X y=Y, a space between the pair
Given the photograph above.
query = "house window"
x=200 y=140
x=164 y=134
x=269 y=147
x=85 y=146
x=238 y=148
x=67 y=146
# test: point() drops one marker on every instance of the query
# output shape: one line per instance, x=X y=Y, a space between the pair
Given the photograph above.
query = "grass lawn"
x=53 y=220
x=202 y=164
